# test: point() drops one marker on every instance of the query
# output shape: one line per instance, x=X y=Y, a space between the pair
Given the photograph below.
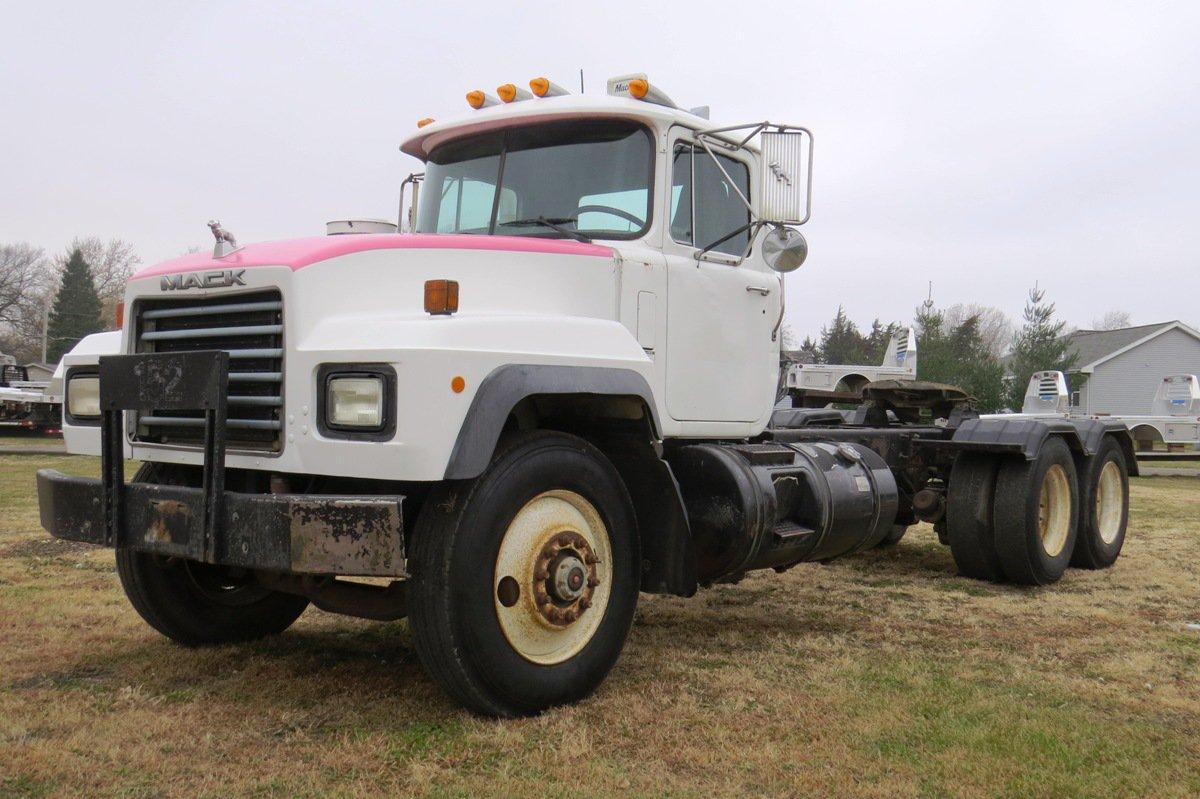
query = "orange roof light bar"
x=544 y=87
x=511 y=93
x=480 y=99
x=638 y=87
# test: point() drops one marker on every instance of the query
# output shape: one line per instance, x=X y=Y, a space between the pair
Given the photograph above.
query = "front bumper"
x=306 y=534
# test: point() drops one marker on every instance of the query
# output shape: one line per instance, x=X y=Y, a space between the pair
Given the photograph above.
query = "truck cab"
x=552 y=391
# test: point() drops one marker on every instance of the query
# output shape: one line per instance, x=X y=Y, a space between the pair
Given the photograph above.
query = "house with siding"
x=1121 y=369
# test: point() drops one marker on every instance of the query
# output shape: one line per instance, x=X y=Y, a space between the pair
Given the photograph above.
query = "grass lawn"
x=10 y=437
x=883 y=674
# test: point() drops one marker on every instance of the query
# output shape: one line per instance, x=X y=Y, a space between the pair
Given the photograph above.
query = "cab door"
x=722 y=364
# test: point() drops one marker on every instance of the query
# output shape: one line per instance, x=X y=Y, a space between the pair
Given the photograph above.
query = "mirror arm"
x=752 y=224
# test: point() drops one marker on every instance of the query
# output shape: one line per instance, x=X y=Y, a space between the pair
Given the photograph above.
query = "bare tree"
x=22 y=270
x=112 y=263
x=995 y=328
x=1113 y=320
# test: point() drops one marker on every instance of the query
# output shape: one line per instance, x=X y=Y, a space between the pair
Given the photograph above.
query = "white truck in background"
x=28 y=404
x=555 y=393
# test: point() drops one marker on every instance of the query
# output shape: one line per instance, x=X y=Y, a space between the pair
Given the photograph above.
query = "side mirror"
x=785 y=193
x=784 y=249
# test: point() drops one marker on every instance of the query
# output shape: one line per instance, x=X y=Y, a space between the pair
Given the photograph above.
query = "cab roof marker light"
x=481 y=99
x=544 y=87
x=512 y=93
x=426 y=121
x=637 y=86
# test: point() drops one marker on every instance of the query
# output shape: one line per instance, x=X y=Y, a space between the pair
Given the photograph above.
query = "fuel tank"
x=773 y=505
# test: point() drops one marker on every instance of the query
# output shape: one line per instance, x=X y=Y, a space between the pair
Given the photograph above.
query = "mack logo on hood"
x=217 y=279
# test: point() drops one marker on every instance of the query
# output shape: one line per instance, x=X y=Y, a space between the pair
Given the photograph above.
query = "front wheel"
x=525 y=578
x=196 y=603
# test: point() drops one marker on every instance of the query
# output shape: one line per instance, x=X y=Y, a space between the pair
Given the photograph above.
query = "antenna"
x=929 y=298
x=581 y=80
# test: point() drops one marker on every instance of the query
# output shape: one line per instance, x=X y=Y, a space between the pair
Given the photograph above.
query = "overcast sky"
x=980 y=146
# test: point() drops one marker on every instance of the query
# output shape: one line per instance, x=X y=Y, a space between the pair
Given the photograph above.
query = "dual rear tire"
x=1026 y=521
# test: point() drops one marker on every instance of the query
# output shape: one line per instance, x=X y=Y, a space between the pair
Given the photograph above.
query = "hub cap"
x=1110 y=502
x=553 y=577
x=1054 y=510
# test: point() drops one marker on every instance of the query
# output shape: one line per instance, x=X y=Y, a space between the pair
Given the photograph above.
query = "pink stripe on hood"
x=299 y=253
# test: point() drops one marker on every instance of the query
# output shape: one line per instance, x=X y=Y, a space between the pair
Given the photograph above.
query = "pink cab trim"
x=299 y=253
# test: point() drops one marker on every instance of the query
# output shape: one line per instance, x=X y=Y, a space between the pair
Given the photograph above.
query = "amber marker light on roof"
x=544 y=87
x=476 y=99
x=457 y=384
x=426 y=121
x=441 y=297
x=638 y=88
x=507 y=92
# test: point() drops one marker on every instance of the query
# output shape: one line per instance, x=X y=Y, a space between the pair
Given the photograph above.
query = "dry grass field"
x=883 y=674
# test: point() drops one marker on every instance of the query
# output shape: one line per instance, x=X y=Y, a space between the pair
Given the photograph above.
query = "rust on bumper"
x=305 y=534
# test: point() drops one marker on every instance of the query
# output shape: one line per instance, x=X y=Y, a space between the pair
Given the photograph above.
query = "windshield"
x=561 y=180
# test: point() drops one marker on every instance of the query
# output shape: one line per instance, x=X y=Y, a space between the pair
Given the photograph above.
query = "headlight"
x=355 y=401
x=83 y=397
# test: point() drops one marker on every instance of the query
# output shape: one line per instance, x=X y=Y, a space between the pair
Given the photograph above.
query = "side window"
x=716 y=209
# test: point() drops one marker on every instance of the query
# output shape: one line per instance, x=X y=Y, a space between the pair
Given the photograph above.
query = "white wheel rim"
x=1110 y=502
x=1054 y=510
x=543 y=620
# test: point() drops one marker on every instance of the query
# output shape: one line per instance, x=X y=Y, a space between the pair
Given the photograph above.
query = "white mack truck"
x=554 y=393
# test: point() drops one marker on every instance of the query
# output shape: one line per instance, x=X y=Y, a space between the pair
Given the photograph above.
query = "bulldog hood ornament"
x=225 y=243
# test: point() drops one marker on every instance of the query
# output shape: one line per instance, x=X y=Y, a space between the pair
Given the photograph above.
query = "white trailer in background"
x=1046 y=395
x=899 y=363
x=1174 y=417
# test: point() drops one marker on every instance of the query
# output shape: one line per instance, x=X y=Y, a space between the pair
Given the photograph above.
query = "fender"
x=1026 y=436
x=507 y=385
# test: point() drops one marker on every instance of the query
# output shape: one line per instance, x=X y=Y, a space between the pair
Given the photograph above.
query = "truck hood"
x=299 y=253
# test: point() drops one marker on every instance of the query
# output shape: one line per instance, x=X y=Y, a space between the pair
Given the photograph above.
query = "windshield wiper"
x=554 y=223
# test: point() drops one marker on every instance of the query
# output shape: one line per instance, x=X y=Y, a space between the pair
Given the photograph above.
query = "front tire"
x=194 y=603
x=525 y=578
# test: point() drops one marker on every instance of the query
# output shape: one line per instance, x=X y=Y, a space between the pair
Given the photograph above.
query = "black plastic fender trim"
x=1026 y=436
x=507 y=385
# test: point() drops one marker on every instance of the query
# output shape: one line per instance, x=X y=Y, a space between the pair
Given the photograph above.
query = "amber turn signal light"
x=120 y=315
x=441 y=297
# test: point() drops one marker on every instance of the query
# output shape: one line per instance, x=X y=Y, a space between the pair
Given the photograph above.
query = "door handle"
x=763 y=290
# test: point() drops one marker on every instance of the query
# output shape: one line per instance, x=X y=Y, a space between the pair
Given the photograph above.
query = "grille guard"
x=182 y=381
x=349 y=535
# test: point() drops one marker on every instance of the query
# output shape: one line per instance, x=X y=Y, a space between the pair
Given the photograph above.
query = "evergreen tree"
x=958 y=355
x=840 y=341
x=76 y=309
x=1039 y=345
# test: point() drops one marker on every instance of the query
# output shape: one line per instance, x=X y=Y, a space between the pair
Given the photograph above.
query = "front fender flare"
x=507 y=385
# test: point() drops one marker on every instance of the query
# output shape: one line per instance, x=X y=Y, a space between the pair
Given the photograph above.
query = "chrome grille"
x=247 y=326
